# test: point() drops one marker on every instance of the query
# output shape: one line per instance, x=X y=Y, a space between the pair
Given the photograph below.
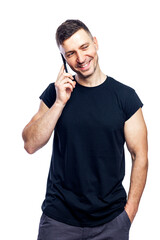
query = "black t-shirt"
x=84 y=186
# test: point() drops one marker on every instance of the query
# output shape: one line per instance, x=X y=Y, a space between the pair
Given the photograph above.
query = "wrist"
x=59 y=103
x=131 y=210
x=132 y=205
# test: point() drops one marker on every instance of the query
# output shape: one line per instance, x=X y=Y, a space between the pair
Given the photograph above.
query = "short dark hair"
x=68 y=28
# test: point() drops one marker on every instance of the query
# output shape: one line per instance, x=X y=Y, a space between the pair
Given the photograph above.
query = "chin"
x=86 y=74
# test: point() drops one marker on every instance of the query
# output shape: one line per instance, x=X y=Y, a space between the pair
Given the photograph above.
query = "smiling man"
x=92 y=116
x=80 y=51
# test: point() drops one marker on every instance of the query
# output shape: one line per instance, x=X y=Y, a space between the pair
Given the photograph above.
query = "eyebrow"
x=87 y=43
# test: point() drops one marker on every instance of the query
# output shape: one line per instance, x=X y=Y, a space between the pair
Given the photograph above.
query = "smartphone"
x=65 y=63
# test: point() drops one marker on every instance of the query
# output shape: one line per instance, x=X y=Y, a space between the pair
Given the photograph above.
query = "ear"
x=95 y=43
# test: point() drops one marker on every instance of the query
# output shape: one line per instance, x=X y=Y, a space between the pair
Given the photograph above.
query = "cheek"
x=95 y=56
x=93 y=52
x=71 y=62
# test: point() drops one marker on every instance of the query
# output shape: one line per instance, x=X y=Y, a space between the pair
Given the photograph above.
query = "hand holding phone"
x=64 y=84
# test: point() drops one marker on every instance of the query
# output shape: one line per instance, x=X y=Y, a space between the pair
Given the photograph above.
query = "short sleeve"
x=49 y=95
x=132 y=104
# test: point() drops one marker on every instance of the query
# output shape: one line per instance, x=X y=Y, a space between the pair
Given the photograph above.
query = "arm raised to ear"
x=135 y=131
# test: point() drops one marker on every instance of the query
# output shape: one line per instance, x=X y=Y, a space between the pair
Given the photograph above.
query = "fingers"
x=61 y=71
x=68 y=81
x=64 y=77
x=64 y=85
x=68 y=85
x=68 y=75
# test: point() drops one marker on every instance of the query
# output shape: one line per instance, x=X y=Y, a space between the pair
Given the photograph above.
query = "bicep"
x=135 y=131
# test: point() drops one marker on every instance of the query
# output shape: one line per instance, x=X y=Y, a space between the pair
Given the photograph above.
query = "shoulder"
x=49 y=95
x=51 y=85
x=126 y=97
x=119 y=87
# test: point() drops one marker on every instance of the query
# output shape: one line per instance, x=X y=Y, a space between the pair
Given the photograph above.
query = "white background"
x=129 y=51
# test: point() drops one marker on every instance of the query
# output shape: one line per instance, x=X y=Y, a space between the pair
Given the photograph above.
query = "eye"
x=70 y=54
x=85 y=46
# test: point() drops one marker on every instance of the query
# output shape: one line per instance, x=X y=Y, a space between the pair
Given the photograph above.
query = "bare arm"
x=136 y=139
x=39 y=130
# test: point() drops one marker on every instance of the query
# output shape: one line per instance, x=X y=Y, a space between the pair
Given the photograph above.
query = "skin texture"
x=136 y=139
x=80 y=52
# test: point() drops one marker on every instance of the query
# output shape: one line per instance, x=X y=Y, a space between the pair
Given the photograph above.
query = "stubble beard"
x=81 y=75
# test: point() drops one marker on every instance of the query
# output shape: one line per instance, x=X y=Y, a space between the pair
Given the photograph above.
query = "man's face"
x=80 y=52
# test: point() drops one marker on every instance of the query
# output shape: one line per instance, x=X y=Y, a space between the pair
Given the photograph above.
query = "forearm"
x=37 y=134
x=137 y=184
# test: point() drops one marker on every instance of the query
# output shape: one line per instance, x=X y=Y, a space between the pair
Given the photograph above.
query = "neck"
x=93 y=80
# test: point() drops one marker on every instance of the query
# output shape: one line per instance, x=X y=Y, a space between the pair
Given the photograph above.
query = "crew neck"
x=86 y=87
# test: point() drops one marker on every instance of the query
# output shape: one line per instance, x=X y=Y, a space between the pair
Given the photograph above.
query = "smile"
x=85 y=66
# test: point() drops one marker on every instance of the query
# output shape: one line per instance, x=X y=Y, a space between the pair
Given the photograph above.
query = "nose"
x=80 y=57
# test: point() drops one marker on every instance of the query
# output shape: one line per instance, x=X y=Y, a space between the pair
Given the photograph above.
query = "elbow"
x=27 y=145
x=29 y=149
x=141 y=159
x=146 y=164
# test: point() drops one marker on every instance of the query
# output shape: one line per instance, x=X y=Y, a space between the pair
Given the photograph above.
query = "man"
x=92 y=116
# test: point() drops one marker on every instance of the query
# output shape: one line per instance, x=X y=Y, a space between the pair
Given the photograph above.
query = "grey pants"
x=117 y=229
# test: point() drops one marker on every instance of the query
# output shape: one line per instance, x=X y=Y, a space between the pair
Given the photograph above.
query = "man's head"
x=78 y=47
x=68 y=28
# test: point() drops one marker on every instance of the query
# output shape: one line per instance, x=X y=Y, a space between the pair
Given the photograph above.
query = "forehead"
x=76 y=40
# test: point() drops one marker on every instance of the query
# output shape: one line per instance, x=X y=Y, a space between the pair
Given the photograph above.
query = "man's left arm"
x=135 y=131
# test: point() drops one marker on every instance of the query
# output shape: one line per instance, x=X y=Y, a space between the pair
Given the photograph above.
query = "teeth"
x=85 y=65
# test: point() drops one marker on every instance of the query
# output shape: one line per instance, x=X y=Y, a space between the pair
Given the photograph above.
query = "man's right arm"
x=39 y=130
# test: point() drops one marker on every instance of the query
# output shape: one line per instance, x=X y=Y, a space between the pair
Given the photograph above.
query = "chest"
x=92 y=111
